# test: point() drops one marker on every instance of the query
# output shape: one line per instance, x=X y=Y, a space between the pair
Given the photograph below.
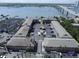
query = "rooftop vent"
x=20 y=33
x=65 y=35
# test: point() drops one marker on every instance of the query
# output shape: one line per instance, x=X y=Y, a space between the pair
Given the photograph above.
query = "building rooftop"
x=28 y=21
x=60 y=42
x=61 y=32
x=19 y=42
x=19 y=39
x=25 y=28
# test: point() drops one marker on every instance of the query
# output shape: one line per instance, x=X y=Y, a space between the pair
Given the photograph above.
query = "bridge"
x=66 y=11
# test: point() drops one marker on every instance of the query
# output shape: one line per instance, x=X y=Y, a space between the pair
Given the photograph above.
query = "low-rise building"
x=61 y=32
x=60 y=44
x=63 y=42
x=20 y=39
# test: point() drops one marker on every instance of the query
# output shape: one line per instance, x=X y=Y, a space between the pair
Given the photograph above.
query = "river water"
x=29 y=11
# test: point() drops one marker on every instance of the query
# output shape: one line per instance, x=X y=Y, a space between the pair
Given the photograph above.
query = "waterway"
x=29 y=11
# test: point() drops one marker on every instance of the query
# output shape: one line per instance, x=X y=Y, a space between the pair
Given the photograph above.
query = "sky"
x=38 y=1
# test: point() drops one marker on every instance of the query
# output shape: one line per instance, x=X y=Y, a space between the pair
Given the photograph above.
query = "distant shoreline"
x=34 y=4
